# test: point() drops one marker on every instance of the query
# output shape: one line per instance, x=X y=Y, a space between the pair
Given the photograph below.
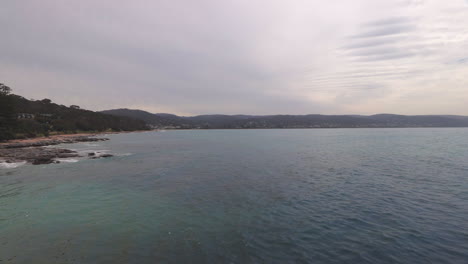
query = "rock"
x=36 y=155
x=101 y=156
x=67 y=155
x=50 y=142
x=36 y=152
x=42 y=160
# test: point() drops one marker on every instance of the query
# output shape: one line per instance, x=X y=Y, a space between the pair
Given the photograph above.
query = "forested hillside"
x=291 y=121
x=21 y=118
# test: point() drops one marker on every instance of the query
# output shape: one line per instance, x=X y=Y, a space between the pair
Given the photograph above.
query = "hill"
x=291 y=121
x=20 y=118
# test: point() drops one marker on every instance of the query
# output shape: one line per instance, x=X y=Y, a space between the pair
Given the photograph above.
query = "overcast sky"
x=240 y=56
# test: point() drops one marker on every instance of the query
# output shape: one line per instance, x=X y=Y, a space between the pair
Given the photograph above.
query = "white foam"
x=100 y=151
x=85 y=152
x=67 y=160
x=6 y=165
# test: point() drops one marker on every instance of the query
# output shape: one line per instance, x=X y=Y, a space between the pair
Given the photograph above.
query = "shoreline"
x=49 y=138
x=35 y=151
x=62 y=137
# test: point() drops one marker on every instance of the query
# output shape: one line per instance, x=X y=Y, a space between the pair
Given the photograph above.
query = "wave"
x=99 y=150
x=7 y=165
x=67 y=160
x=86 y=151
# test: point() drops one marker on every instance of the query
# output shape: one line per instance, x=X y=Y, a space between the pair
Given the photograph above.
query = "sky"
x=240 y=56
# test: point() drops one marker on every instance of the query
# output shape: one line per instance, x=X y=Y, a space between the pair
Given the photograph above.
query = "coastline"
x=62 y=137
x=49 y=138
x=35 y=151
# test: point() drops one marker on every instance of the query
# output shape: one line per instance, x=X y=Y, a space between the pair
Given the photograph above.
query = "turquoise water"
x=245 y=196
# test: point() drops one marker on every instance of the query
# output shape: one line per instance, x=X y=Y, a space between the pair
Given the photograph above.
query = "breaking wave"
x=12 y=165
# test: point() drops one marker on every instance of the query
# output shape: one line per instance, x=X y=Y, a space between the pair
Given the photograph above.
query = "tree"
x=4 y=90
x=7 y=113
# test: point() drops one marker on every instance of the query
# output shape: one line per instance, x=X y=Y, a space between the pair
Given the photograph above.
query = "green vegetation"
x=168 y=121
x=23 y=118
x=7 y=113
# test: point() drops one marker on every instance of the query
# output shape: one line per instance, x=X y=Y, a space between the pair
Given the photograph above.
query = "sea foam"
x=7 y=165
x=67 y=160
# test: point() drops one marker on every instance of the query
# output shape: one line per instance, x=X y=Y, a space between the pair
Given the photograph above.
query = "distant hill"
x=291 y=121
x=20 y=117
x=138 y=114
x=155 y=120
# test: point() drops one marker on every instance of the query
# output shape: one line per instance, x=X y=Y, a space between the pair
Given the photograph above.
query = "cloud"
x=462 y=60
x=237 y=57
x=372 y=43
x=389 y=21
x=386 y=31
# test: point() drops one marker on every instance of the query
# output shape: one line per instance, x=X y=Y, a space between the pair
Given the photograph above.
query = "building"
x=25 y=116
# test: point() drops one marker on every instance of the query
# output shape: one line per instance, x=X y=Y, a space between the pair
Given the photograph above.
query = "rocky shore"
x=36 y=151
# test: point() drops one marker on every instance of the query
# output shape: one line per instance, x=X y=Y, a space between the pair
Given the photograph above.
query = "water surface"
x=245 y=196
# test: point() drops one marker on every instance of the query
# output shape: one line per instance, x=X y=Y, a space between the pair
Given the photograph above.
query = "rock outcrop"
x=37 y=153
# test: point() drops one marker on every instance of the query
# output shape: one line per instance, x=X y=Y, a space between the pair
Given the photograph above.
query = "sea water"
x=244 y=196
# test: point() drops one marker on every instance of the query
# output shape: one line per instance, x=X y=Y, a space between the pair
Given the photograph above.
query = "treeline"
x=23 y=118
x=169 y=121
x=7 y=114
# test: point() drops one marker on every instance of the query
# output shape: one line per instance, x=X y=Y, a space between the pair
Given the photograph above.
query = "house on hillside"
x=25 y=116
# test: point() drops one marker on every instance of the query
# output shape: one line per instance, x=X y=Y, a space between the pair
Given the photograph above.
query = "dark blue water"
x=245 y=196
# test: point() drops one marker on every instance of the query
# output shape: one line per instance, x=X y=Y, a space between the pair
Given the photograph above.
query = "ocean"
x=245 y=196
